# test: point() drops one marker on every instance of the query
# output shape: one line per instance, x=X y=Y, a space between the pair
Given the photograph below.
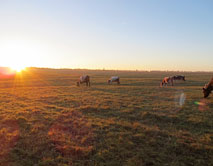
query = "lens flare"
x=202 y=105
x=180 y=98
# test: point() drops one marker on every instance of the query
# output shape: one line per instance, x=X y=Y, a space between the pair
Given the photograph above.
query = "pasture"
x=46 y=120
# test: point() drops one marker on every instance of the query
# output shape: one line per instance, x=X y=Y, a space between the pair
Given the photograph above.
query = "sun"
x=18 y=54
x=18 y=69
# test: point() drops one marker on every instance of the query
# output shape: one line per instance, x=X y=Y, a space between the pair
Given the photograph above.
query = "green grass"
x=45 y=120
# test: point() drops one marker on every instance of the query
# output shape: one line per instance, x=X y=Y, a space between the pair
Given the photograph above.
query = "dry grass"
x=46 y=120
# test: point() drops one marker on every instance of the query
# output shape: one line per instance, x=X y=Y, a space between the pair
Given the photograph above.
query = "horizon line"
x=103 y=69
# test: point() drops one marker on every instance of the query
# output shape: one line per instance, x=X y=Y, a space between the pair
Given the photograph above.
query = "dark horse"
x=208 y=88
x=179 y=77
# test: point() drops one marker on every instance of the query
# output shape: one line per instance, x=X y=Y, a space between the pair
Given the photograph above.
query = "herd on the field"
x=166 y=81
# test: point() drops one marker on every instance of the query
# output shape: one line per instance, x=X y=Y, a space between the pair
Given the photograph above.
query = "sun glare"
x=18 y=68
x=17 y=54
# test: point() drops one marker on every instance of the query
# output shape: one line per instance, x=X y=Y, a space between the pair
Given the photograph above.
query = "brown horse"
x=167 y=80
x=208 y=88
x=84 y=79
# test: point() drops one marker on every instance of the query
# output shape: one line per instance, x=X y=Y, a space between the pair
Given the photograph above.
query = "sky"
x=107 y=34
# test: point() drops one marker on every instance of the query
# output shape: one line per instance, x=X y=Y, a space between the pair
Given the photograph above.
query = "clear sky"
x=110 y=34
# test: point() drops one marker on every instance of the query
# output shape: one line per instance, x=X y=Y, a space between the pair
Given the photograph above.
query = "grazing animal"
x=167 y=80
x=84 y=79
x=114 y=79
x=179 y=77
x=208 y=88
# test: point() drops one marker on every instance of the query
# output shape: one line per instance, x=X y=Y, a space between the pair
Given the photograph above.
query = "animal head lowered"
x=84 y=79
x=207 y=90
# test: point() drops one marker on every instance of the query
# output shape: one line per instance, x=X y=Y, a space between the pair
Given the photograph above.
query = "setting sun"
x=21 y=53
x=18 y=68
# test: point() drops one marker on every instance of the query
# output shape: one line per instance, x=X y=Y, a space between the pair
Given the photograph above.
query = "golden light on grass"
x=72 y=135
x=9 y=134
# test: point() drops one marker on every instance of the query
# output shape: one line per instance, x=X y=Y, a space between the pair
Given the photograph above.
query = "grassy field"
x=45 y=120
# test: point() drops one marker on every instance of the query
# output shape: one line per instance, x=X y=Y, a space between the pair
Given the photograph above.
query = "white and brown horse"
x=166 y=81
x=84 y=79
x=208 y=88
x=114 y=79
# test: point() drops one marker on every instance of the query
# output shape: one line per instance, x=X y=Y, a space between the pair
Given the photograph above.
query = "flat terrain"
x=45 y=120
